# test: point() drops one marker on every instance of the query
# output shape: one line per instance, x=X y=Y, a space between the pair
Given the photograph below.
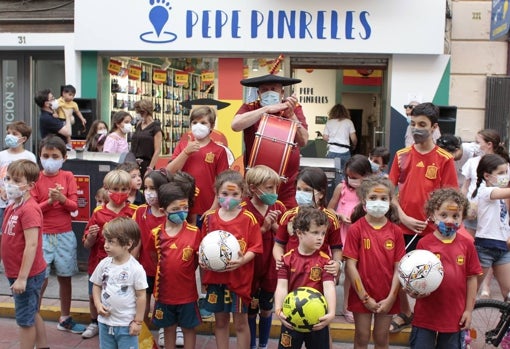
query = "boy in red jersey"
x=57 y=194
x=175 y=291
x=262 y=184
x=22 y=253
x=230 y=291
x=305 y=266
x=416 y=172
x=118 y=185
x=457 y=292
x=202 y=158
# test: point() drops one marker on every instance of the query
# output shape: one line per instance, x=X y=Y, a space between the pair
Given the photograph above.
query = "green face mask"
x=268 y=198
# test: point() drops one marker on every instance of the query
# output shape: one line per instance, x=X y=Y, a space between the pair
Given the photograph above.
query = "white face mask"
x=126 y=128
x=269 y=98
x=102 y=132
x=200 y=131
x=13 y=191
x=54 y=104
x=377 y=208
x=52 y=165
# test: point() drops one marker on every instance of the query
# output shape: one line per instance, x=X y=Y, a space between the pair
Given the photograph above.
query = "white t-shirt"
x=469 y=150
x=469 y=172
x=118 y=284
x=339 y=131
x=6 y=158
x=492 y=216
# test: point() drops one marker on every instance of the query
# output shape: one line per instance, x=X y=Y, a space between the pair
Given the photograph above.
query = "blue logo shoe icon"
x=158 y=16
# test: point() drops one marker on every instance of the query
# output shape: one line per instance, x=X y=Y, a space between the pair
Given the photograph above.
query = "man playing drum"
x=270 y=101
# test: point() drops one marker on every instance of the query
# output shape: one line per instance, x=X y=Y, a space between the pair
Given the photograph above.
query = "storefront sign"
x=389 y=26
x=181 y=78
x=114 y=67
x=9 y=88
x=83 y=184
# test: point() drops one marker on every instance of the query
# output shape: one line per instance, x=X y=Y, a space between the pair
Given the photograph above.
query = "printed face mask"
x=177 y=217
x=269 y=98
x=228 y=203
x=151 y=197
x=447 y=229
x=11 y=141
x=52 y=165
x=200 y=131
x=304 y=198
x=501 y=181
x=118 y=198
x=419 y=135
x=377 y=208
x=13 y=191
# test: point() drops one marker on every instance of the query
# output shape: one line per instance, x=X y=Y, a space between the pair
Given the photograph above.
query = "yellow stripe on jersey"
x=289 y=252
x=252 y=217
x=292 y=212
x=324 y=255
x=332 y=218
x=445 y=153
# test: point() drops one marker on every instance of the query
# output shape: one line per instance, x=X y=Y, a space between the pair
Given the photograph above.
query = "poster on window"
x=83 y=212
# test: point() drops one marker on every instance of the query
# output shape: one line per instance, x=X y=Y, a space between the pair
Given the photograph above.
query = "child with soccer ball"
x=446 y=208
x=373 y=247
x=305 y=266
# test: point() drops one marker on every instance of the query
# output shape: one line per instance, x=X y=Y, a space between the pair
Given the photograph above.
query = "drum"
x=274 y=141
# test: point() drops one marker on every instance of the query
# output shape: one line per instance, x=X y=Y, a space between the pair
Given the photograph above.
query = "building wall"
x=473 y=58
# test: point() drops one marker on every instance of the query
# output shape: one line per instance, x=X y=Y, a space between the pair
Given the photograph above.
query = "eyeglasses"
x=408 y=106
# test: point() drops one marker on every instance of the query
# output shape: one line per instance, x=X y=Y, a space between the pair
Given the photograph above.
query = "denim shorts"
x=26 y=304
x=184 y=315
x=220 y=299
x=491 y=256
x=112 y=337
x=60 y=250
x=422 y=338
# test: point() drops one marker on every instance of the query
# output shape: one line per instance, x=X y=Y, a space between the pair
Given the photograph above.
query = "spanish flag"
x=363 y=77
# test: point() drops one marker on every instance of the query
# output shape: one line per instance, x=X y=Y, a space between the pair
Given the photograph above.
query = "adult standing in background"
x=146 y=140
x=270 y=92
x=48 y=123
x=340 y=134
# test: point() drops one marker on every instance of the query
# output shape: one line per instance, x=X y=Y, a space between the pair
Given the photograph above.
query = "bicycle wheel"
x=489 y=323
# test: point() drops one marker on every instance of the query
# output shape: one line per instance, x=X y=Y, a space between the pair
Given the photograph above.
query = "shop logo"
x=158 y=16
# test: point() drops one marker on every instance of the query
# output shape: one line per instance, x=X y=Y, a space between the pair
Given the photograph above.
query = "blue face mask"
x=52 y=165
x=304 y=198
x=268 y=198
x=11 y=141
x=177 y=217
x=375 y=166
x=447 y=230
x=269 y=98
x=229 y=203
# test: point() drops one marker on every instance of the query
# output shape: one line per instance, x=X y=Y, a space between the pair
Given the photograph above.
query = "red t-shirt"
x=101 y=216
x=247 y=231
x=460 y=260
x=16 y=220
x=177 y=261
x=417 y=175
x=204 y=165
x=305 y=271
x=147 y=221
x=376 y=252
x=333 y=239
x=287 y=190
x=265 y=265
x=57 y=216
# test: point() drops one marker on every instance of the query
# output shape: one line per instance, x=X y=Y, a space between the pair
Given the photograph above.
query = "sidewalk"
x=341 y=331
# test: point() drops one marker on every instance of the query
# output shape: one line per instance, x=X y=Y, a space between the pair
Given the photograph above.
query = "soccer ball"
x=303 y=308
x=217 y=249
x=420 y=271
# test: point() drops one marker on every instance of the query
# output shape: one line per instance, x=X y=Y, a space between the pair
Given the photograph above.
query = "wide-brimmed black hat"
x=269 y=79
x=204 y=101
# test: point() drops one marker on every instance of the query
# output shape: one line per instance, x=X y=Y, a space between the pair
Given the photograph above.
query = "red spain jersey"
x=376 y=252
x=460 y=261
x=417 y=175
x=147 y=221
x=265 y=266
x=247 y=231
x=286 y=236
x=177 y=261
x=305 y=270
x=101 y=216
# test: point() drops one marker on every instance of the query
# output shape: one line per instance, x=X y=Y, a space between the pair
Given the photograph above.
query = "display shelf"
x=166 y=88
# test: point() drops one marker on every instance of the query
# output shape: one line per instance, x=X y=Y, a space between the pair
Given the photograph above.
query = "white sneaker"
x=91 y=331
x=161 y=338
x=179 y=337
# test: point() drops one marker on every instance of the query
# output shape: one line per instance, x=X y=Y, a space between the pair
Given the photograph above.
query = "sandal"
x=396 y=327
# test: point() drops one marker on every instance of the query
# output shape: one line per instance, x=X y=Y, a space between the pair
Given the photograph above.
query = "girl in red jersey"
x=149 y=216
x=373 y=248
x=262 y=183
x=230 y=291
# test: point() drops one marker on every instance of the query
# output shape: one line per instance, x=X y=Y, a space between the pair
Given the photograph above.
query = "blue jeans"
x=343 y=159
x=422 y=338
x=116 y=337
